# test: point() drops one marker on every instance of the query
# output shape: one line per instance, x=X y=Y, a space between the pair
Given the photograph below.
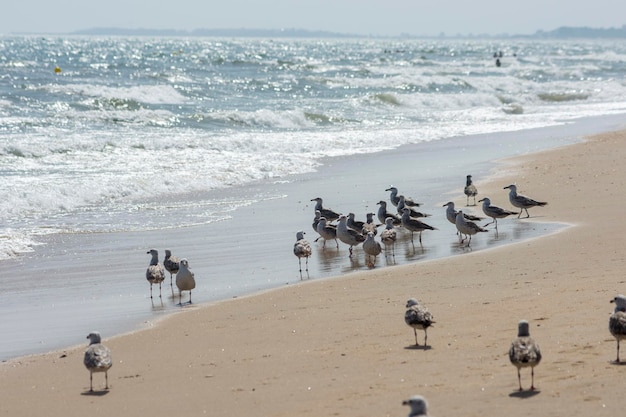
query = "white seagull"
x=185 y=280
x=97 y=359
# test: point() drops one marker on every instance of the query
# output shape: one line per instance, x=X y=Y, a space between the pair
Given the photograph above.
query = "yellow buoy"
x=57 y=69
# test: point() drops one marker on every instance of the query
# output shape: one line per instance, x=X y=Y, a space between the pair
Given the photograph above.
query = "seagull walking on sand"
x=417 y=316
x=524 y=353
x=325 y=212
x=413 y=225
x=419 y=406
x=185 y=280
x=302 y=249
x=383 y=214
x=155 y=274
x=470 y=189
x=522 y=202
x=170 y=263
x=348 y=236
x=327 y=231
x=494 y=212
x=394 y=198
x=97 y=359
x=617 y=321
x=372 y=248
x=389 y=235
x=466 y=227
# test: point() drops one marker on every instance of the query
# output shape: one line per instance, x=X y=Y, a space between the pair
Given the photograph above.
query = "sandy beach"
x=340 y=346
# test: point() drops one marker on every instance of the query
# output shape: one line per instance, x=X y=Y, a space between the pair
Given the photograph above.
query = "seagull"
x=466 y=227
x=414 y=225
x=414 y=213
x=316 y=220
x=617 y=321
x=524 y=352
x=371 y=247
x=419 y=406
x=155 y=274
x=451 y=213
x=418 y=317
x=170 y=263
x=369 y=225
x=328 y=213
x=355 y=225
x=522 y=202
x=470 y=189
x=185 y=280
x=383 y=214
x=97 y=359
x=389 y=235
x=394 y=198
x=348 y=236
x=494 y=212
x=302 y=249
x=327 y=231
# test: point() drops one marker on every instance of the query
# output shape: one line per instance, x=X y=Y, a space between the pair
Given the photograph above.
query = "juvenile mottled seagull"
x=524 y=352
x=389 y=235
x=419 y=406
x=418 y=317
x=328 y=213
x=370 y=225
x=470 y=189
x=327 y=231
x=617 y=321
x=494 y=212
x=97 y=359
x=371 y=247
x=466 y=227
x=348 y=236
x=170 y=263
x=383 y=214
x=155 y=274
x=302 y=249
x=522 y=202
x=185 y=280
x=413 y=225
x=394 y=198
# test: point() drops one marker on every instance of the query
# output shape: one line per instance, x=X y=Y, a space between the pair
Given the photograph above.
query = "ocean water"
x=136 y=125
x=209 y=146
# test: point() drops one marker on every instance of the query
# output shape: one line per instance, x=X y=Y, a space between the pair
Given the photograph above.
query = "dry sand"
x=339 y=347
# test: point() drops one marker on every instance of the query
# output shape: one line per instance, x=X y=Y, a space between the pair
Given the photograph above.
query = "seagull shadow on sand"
x=616 y=363
x=418 y=347
x=524 y=394
x=95 y=393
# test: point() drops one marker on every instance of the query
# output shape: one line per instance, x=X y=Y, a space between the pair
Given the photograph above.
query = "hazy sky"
x=375 y=17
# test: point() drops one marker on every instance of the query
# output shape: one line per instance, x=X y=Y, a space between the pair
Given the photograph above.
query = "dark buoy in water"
x=57 y=69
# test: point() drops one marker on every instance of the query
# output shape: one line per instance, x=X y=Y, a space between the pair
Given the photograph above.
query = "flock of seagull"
x=334 y=226
x=155 y=274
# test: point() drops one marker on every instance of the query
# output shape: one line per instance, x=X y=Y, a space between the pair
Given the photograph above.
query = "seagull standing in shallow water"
x=185 y=280
x=470 y=189
x=395 y=199
x=494 y=212
x=372 y=248
x=617 y=321
x=328 y=213
x=389 y=235
x=418 y=317
x=521 y=201
x=302 y=249
x=383 y=214
x=170 y=263
x=97 y=359
x=327 y=232
x=155 y=274
x=348 y=236
x=466 y=228
x=524 y=352
x=413 y=225
x=451 y=213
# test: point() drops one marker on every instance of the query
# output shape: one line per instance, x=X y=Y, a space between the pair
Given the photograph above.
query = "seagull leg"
x=519 y=379
x=106 y=380
x=532 y=378
x=90 y=381
x=425 y=337
x=189 y=296
x=150 y=290
x=415 y=332
x=617 y=360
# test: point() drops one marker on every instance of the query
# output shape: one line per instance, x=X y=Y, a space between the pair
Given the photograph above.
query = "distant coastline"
x=564 y=32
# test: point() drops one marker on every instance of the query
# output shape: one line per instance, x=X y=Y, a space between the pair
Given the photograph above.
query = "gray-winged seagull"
x=185 y=280
x=466 y=227
x=521 y=201
x=348 y=236
x=494 y=212
x=325 y=212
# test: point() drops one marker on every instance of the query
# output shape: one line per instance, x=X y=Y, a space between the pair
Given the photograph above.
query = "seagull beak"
x=612 y=301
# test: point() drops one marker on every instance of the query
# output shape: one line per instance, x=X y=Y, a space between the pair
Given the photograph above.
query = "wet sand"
x=340 y=346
